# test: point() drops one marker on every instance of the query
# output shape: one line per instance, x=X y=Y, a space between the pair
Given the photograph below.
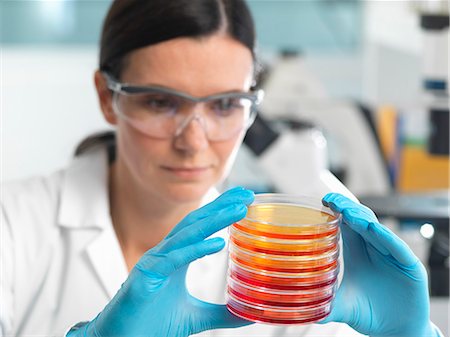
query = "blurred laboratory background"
x=354 y=89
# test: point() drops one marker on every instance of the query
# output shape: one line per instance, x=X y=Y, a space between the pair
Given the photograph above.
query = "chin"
x=188 y=192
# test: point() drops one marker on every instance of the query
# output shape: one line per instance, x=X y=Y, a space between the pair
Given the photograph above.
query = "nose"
x=191 y=134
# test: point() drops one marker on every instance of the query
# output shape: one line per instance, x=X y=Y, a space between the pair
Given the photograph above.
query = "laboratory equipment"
x=434 y=23
x=283 y=260
x=288 y=137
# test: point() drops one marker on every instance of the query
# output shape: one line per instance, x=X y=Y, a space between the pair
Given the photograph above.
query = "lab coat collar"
x=84 y=193
x=104 y=253
x=85 y=205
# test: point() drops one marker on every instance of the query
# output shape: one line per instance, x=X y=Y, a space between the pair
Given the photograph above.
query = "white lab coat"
x=61 y=262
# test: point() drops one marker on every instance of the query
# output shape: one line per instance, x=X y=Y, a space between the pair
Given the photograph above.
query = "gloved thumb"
x=337 y=312
x=216 y=316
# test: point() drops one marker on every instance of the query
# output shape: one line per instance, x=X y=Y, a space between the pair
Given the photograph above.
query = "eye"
x=226 y=106
x=160 y=103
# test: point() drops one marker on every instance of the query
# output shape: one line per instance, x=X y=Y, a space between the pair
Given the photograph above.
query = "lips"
x=187 y=172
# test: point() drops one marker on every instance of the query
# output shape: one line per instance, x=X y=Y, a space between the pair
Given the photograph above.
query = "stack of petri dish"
x=283 y=260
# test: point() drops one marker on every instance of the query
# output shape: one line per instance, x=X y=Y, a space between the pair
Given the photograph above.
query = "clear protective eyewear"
x=164 y=113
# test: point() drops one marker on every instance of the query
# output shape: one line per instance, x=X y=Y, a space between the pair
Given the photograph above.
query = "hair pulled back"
x=133 y=24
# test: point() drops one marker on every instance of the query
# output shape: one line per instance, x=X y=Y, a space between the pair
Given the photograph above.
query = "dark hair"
x=133 y=24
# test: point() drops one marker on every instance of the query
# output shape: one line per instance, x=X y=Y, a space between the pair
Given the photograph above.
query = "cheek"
x=227 y=152
x=134 y=149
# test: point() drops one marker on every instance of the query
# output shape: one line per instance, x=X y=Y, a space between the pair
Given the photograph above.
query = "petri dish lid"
x=273 y=207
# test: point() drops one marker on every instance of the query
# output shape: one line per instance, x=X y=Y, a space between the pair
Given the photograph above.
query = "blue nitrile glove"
x=154 y=301
x=384 y=291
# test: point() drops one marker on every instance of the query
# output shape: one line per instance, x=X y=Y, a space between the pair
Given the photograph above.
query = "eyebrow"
x=169 y=89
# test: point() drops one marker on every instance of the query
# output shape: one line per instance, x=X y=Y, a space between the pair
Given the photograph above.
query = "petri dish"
x=283 y=260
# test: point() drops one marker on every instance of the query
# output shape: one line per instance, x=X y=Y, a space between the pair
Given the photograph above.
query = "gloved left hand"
x=154 y=300
x=384 y=291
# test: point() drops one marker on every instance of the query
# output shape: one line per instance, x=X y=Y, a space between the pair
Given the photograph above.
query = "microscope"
x=287 y=143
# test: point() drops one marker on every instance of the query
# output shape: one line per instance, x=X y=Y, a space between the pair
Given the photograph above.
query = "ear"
x=104 y=98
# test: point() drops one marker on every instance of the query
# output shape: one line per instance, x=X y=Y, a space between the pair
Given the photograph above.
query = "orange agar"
x=283 y=265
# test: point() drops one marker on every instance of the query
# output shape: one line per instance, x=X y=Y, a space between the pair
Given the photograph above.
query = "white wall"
x=392 y=45
x=48 y=105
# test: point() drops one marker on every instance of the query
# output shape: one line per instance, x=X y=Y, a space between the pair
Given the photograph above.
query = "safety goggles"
x=164 y=113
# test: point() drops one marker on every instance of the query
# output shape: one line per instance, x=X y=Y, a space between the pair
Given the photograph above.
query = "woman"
x=107 y=242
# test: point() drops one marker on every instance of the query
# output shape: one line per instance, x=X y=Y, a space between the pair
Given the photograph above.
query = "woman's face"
x=185 y=167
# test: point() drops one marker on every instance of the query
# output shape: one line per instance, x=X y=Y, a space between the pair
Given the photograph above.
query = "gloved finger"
x=216 y=316
x=353 y=212
x=164 y=264
x=338 y=203
x=205 y=227
x=353 y=244
x=338 y=309
x=363 y=221
x=234 y=195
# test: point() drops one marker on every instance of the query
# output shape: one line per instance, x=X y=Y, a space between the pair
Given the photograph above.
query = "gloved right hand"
x=384 y=291
x=154 y=301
